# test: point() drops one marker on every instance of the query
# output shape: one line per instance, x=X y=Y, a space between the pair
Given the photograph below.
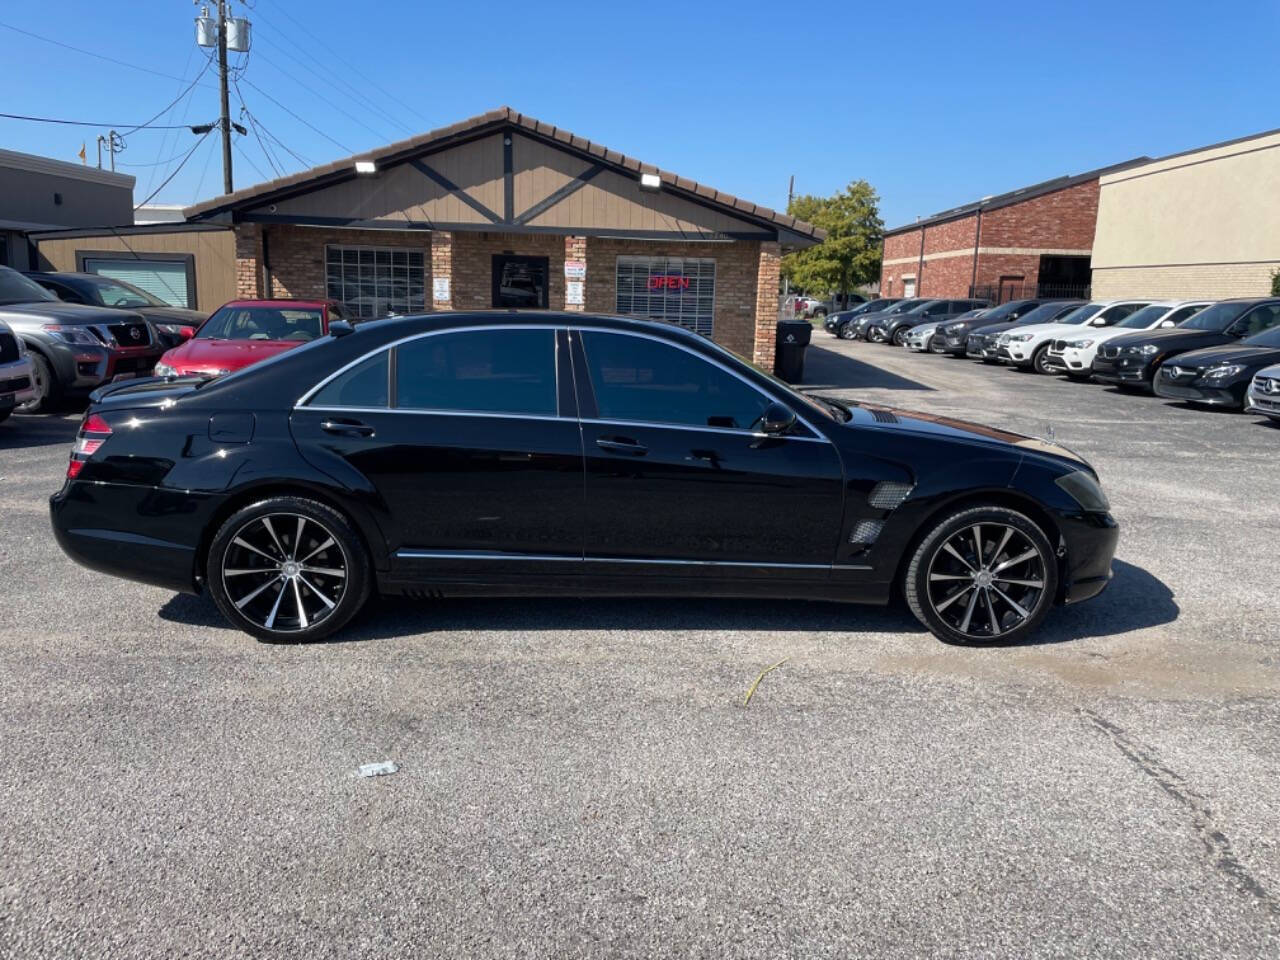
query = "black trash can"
x=792 y=339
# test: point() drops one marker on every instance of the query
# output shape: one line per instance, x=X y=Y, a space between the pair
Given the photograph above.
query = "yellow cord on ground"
x=761 y=677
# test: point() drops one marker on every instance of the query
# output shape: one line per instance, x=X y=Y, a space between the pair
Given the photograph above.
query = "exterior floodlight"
x=366 y=166
x=650 y=181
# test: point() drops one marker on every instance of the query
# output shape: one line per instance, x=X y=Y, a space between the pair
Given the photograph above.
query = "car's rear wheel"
x=43 y=384
x=982 y=575
x=288 y=569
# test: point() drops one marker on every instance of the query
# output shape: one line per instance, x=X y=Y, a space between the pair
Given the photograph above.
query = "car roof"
x=279 y=302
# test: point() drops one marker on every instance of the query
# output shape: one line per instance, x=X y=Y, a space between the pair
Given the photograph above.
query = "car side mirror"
x=1167 y=323
x=1098 y=322
x=777 y=419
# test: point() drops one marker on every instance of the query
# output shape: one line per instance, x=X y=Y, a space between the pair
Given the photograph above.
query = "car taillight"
x=94 y=432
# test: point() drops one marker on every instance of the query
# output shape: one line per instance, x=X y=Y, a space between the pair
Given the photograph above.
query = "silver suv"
x=16 y=385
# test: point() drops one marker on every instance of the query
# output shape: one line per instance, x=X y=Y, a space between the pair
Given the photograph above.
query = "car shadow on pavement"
x=829 y=370
x=20 y=432
x=1135 y=600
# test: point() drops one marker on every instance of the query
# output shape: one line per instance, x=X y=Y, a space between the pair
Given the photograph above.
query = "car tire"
x=47 y=389
x=899 y=336
x=958 y=596
x=266 y=547
x=5 y=414
x=847 y=332
x=1038 y=360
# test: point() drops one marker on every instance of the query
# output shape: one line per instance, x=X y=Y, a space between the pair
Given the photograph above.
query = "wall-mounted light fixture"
x=650 y=181
x=366 y=166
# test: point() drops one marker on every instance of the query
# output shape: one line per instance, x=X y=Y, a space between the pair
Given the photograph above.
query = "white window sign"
x=573 y=292
x=440 y=289
x=575 y=269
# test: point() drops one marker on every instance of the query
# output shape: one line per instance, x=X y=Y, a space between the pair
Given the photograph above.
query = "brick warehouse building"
x=1036 y=241
x=502 y=210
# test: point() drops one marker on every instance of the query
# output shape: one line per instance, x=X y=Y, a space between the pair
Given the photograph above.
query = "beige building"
x=1205 y=223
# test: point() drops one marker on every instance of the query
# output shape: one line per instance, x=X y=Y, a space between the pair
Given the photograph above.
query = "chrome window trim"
x=600 y=421
x=302 y=401
x=423 y=411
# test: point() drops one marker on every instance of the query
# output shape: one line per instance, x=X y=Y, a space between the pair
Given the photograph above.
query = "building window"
x=375 y=281
x=676 y=289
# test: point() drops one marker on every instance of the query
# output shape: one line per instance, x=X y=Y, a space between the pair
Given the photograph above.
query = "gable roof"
x=1017 y=196
x=225 y=207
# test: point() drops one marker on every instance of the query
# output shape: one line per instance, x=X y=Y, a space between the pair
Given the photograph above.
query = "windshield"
x=902 y=306
x=871 y=306
x=1267 y=338
x=264 y=323
x=1080 y=314
x=1141 y=319
x=1216 y=318
x=920 y=307
x=1045 y=312
x=15 y=288
x=1001 y=313
x=117 y=293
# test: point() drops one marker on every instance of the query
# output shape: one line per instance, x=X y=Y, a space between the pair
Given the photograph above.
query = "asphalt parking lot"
x=581 y=777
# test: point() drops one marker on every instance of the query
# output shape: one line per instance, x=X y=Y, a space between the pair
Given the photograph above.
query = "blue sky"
x=934 y=103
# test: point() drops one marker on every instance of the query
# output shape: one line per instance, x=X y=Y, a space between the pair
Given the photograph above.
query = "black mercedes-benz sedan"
x=1218 y=376
x=497 y=453
x=1133 y=359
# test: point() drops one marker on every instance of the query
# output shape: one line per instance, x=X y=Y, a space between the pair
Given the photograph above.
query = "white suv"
x=1073 y=355
x=1029 y=346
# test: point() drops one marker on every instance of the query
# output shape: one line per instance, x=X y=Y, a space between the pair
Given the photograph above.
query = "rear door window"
x=364 y=385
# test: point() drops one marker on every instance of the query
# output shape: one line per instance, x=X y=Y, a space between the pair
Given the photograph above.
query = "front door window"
x=520 y=283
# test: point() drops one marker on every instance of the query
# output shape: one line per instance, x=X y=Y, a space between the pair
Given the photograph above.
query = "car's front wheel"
x=983 y=574
x=900 y=336
x=847 y=332
x=1039 y=360
x=288 y=569
x=44 y=387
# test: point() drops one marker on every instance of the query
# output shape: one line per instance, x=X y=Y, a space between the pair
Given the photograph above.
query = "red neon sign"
x=668 y=282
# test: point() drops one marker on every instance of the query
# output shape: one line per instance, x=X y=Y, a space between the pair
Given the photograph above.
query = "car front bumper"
x=1261 y=401
x=80 y=368
x=1091 y=540
x=1125 y=371
x=1070 y=360
x=1225 y=395
x=16 y=383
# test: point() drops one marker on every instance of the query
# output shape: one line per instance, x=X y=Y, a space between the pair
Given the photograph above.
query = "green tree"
x=850 y=255
x=1275 y=283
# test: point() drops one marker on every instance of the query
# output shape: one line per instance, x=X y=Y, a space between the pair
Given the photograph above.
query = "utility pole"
x=226 y=103
x=791 y=192
x=111 y=140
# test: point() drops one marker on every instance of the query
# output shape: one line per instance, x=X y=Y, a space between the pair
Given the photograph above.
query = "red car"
x=243 y=332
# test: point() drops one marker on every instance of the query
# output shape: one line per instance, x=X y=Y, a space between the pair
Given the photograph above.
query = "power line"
x=346 y=65
x=90 y=53
x=334 y=80
x=336 y=143
x=276 y=168
x=259 y=125
x=89 y=123
x=249 y=160
x=157 y=163
x=186 y=111
x=319 y=96
x=176 y=170
x=174 y=102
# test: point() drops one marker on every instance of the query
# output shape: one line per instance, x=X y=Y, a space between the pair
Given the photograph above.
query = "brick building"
x=502 y=210
x=1036 y=241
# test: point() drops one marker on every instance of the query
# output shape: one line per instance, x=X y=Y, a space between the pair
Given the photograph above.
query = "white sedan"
x=1029 y=346
x=1073 y=355
x=1264 y=393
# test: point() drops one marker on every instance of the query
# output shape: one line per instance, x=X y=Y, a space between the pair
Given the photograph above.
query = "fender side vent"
x=889 y=494
x=865 y=532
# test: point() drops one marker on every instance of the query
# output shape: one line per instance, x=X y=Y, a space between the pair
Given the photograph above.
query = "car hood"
x=987 y=329
x=224 y=354
x=950 y=428
x=72 y=314
x=1052 y=329
x=930 y=327
x=1229 y=353
x=1173 y=338
x=180 y=315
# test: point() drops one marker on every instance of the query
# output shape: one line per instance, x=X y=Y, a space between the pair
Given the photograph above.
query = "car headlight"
x=1084 y=490
x=70 y=334
x=1016 y=337
x=164 y=370
x=1223 y=371
x=1146 y=350
x=1080 y=344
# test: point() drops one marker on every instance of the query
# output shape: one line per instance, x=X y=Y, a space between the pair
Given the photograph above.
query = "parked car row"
x=1222 y=354
x=65 y=335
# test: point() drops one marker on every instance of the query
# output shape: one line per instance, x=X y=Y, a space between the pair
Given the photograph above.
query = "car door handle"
x=350 y=428
x=622 y=445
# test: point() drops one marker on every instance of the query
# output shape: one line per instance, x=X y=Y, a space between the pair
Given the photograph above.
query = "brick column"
x=575 y=248
x=248 y=261
x=767 y=277
x=442 y=268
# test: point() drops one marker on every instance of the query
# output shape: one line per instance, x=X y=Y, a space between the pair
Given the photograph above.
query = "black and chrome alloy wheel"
x=984 y=575
x=288 y=569
x=284 y=572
